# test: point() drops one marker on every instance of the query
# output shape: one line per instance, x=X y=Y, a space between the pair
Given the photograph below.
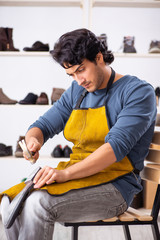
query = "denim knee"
x=35 y=205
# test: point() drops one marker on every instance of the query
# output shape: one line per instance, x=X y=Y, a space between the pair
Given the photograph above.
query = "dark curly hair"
x=75 y=46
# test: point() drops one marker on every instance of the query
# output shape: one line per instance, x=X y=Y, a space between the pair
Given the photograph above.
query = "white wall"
x=20 y=75
x=144 y=24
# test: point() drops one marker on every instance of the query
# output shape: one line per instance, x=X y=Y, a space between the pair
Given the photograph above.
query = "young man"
x=110 y=120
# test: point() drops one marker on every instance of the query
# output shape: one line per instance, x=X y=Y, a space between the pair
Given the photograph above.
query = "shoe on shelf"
x=4 y=99
x=6 y=41
x=31 y=98
x=154 y=47
x=67 y=151
x=42 y=99
x=56 y=94
x=1 y=46
x=103 y=38
x=37 y=46
x=57 y=152
x=5 y=150
x=19 y=152
x=128 y=44
x=157 y=92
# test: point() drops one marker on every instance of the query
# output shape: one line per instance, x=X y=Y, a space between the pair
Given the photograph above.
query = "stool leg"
x=75 y=233
x=155 y=230
x=126 y=232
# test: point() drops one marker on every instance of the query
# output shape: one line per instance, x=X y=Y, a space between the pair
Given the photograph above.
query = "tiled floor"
x=97 y=233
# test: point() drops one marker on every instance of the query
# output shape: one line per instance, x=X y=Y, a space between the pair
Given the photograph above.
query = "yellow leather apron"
x=87 y=129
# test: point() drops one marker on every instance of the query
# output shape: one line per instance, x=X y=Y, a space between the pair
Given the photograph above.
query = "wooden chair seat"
x=130 y=215
x=135 y=215
x=110 y=219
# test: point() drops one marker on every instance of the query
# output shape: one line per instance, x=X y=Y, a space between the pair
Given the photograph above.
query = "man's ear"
x=99 y=57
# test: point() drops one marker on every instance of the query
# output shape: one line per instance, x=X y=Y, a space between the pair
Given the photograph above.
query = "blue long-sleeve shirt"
x=131 y=107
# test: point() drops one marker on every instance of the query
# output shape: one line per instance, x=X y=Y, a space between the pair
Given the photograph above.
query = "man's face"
x=88 y=75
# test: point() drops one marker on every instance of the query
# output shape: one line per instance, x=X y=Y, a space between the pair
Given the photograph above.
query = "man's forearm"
x=100 y=159
x=94 y=163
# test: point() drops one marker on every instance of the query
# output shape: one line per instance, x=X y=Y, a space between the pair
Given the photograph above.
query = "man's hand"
x=34 y=142
x=34 y=146
x=48 y=175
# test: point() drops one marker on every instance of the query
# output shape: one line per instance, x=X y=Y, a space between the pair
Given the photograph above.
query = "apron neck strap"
x=84 y=93
x=111 y=79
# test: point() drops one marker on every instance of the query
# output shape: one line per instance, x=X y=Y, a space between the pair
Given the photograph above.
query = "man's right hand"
x=34 y=142
x=33 y=146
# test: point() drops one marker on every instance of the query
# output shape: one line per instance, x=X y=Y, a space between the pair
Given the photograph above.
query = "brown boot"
x=1 y=46
x=56 y=94
x=6 y=39
x=19 y=151
x=4 y=99
x=9 y=32
x=3 y=39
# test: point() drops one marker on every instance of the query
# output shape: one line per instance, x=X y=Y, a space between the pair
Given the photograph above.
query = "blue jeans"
x=42 y=210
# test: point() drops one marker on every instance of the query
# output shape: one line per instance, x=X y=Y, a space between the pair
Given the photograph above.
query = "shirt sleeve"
x=137 y=114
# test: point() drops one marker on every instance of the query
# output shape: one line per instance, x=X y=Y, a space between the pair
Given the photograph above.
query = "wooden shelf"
x=137 y=55
x=26 y=106
x=126 y=3
x=23 y=53
x=47 y=54
x=47 y=3
x=42 y=159
x=17 y=105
